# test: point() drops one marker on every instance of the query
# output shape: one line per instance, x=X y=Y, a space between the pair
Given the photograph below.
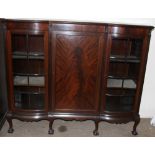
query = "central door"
x=76 y=69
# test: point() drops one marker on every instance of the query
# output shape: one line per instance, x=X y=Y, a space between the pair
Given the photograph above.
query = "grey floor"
x=77 y=129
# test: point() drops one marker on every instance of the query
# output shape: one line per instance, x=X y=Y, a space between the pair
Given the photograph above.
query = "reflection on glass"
x=123 y=74
x=28 y=71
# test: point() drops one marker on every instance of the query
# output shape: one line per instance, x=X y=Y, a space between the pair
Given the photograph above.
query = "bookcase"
x=75 y=71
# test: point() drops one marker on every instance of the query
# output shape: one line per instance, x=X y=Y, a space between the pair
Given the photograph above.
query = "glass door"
x=29 y=71
x=125 y=57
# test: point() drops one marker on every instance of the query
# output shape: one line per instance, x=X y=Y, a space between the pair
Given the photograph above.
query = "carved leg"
x=134 y=132
x=10 y=130
x=95 y=132
x=51 y=131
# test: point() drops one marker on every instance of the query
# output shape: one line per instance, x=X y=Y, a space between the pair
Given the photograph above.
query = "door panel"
x=76 y=71
x=124 y=61
x=28 y=72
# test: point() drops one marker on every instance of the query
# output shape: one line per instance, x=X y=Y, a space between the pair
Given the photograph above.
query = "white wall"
x=96 y=11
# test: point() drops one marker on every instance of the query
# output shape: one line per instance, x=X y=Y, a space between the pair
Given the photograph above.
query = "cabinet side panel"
x=3 y=87
x=142 y=70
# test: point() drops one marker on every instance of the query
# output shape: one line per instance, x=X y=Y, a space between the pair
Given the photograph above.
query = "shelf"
x=29 y=55
x=26 y=92
x=20 y=57
x=122 y=77
x=127 y=59
x=119 y=95
x=41 y=57
x=25 y=74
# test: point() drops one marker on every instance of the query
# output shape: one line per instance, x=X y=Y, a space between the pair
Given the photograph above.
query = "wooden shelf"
x=25 y=74
x=30 y=55
x=127 y=59
x=29 y=92
x=122 y=77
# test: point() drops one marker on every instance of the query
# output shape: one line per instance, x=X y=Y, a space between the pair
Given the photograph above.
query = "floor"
x=76 y=129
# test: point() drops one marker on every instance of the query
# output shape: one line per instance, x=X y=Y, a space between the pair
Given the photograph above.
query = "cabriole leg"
x=95 y=132
x=51 y=131
x=134 y=132
x=10 y=130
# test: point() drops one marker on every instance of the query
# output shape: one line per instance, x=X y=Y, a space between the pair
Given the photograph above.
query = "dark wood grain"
x=25 y=25
x=128 y=30
x=78 y=27
x=77 y=59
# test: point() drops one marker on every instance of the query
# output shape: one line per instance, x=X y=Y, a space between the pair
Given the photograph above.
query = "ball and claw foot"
x=134 y=133
x=11 y=130
x=51 y=131
x=95 y=133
